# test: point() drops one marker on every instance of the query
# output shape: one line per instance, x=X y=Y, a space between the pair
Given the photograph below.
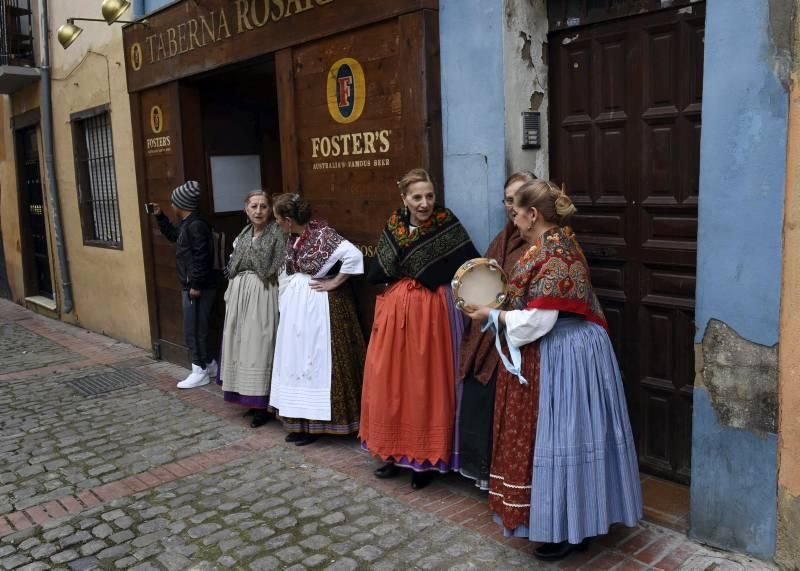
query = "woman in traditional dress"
x=319 y=354
x=409 y=404
x=478 y=360
x=251 y=309
x=564 y=465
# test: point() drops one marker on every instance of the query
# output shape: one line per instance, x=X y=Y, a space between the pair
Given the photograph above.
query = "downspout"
x=138 y=9
x=47 y=145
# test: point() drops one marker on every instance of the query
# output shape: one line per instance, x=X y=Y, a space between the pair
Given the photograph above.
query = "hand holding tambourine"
x=480 y=282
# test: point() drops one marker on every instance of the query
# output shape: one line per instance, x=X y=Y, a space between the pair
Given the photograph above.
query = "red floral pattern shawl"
x=554 y=274
x=309 y=253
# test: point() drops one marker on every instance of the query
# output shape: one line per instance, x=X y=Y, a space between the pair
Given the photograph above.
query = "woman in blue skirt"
x=564 y=465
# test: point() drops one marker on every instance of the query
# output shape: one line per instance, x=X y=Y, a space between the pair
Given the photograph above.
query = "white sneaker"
x=198 y=378
x=213 y=369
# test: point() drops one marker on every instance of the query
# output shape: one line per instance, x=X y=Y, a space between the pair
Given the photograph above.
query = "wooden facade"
x=336 y=98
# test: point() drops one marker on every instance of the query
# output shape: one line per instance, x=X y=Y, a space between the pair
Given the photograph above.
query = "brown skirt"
x=516 y=411
x=347 y=352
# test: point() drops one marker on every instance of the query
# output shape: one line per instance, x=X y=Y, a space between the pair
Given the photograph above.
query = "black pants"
x=196 y=314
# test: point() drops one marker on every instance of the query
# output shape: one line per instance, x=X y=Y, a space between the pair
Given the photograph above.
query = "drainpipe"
x=138 y=9
x=47 y=145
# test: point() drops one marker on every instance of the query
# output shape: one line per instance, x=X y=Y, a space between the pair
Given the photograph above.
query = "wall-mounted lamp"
x=112 y=10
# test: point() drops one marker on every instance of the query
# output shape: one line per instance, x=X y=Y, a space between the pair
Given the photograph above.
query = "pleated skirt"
x=248 y=340
x=409 y=403
x=585 y=470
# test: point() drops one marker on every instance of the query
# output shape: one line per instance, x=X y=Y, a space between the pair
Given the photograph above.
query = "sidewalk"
x=105 y=464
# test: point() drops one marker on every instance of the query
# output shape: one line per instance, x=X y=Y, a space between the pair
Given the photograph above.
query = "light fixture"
x=113 y=9
x=68 y=33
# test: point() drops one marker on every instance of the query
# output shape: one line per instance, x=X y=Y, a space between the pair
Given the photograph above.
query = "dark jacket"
x=193 y=250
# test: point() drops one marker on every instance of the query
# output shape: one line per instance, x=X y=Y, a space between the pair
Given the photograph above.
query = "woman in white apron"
x=319 y=353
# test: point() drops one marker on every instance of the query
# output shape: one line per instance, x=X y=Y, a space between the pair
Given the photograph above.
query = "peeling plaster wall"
x=788 y=548
x=743 y=166
x=742 y=171
x=471 y=36
x=525 y=62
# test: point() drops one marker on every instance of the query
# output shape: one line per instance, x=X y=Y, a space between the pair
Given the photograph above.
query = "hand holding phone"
x=152 y=208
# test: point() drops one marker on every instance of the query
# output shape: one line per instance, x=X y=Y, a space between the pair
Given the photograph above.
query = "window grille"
x=97 y=180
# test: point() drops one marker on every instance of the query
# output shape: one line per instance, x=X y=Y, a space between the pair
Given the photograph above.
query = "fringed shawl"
x=478 y=354
x=265 y=254
x=308 y=254
x=554 y=274
x=430 y=254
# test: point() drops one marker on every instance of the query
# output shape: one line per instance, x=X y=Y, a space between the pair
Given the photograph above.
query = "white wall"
x=525 y=81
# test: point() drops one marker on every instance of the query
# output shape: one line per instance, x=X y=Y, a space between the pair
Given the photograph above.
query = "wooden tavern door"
x=625 y=139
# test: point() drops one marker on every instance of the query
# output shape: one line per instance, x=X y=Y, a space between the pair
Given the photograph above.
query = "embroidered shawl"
x=554 y=274
x=265 y=255
x=477 y=354
x=309 y=253
x=431 y=254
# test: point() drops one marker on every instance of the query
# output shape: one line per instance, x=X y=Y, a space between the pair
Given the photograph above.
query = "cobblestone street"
x=144 y=476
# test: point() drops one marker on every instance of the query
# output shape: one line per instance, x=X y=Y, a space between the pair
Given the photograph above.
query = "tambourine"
x=480 y=281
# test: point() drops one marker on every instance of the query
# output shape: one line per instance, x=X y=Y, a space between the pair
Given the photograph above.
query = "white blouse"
x=351 y=257
x=525 y=326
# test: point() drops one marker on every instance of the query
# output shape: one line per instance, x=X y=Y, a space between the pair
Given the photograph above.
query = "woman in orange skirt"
x=408 y=405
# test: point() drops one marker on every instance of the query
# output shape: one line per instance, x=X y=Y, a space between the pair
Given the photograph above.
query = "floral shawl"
x=265 y=254
x=477 y=355
x=553 y=274
x=431 y=254
x=309 y=253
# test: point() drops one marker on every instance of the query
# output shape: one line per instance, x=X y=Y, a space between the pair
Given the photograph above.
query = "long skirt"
x=514 y=433
x=409 y=403
x=248 y=340
x=475 y=427
x=586 y=474
x=346 y=361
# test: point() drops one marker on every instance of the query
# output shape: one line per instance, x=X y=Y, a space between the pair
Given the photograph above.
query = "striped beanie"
x=186 y=196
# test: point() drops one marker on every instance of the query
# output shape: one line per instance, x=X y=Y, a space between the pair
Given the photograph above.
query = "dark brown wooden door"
x=625 y=138
x=38 y=280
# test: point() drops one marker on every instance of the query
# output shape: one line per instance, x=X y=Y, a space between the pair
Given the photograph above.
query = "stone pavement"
x=149 y=477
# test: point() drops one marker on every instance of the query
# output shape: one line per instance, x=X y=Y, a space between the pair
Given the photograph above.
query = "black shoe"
x=260 y=418
x=421 y=479
x=306 y=440
x=293 y=437
x=557 y=551
x=250 y=412
x=388 y=470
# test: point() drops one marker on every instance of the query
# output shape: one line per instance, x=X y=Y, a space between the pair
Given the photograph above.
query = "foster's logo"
x=346 y=90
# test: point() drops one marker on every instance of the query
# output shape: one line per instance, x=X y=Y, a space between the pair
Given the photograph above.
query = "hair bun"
x=564 y=207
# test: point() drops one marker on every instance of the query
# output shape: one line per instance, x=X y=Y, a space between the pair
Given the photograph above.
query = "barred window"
x=97 y=179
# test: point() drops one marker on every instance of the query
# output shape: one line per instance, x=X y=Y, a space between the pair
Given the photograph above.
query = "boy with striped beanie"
x=193 y=261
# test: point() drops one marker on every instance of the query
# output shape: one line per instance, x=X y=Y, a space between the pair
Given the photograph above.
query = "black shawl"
x=430 y=254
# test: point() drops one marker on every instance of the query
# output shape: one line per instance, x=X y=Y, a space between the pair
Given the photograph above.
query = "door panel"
x=38 y=279
x=625 y=139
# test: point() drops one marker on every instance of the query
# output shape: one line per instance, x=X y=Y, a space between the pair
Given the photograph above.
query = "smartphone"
x=149 y=207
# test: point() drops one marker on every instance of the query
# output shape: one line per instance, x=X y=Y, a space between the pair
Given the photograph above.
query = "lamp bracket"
x=73 y=20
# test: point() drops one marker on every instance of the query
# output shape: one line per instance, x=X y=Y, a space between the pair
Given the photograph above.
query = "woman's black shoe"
x=421 y=479
x=260 y=418
x=388 y=470
x=557 y=551
x=306 y=439
x=294 y=436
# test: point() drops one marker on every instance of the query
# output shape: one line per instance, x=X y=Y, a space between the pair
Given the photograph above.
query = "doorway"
x=230 y=145
x=625 y=116
x=36 y=255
